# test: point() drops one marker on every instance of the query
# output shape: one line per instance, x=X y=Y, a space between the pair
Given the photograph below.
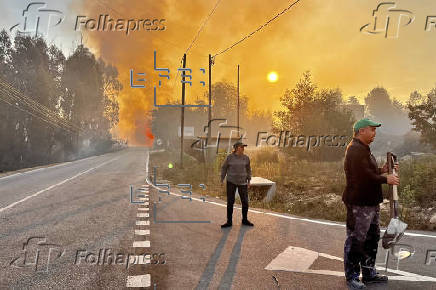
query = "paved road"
x=83 y=208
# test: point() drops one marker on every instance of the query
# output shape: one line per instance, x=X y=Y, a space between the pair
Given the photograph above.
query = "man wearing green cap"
x=362 y=197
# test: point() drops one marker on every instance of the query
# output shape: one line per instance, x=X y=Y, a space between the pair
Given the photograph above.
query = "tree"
x=422 y=113
x=352 y=100
x=30 y=62
x=111 y=89
x=309 y=111
x=225 y=100
x=52 y=90
x=92 y=90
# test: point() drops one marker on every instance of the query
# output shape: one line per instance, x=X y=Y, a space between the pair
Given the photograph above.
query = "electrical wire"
x=257 y=30
x=202 y=26
x=36 y=109
x=32 y=114
x=196 y=37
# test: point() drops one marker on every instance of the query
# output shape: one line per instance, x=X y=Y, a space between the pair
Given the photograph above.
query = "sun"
x=273 y=77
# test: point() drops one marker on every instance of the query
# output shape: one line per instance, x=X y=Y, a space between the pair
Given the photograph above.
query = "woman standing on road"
x=238 y=171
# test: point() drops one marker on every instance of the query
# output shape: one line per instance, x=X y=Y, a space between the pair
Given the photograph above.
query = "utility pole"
x=238 y=103
x=209 y=116
x=182 y=122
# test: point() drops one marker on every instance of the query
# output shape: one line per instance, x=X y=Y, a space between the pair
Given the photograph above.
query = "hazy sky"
x=322 y=36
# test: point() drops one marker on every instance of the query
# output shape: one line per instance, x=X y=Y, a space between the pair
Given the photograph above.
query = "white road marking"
x=141 y=244
x=286 y=216
x=142 y=232
x=143 y=214
x=139 y=281
x=145 y=203
x=142 y=223
x=143 y=208
x=54 y=185
x=45 y=168
x=276 y=214
x=296 y=259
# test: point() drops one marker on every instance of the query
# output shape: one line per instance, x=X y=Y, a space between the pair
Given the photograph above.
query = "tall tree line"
x=79 y=89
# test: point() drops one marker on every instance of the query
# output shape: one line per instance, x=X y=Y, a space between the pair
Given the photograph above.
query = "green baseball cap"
x=362 y=123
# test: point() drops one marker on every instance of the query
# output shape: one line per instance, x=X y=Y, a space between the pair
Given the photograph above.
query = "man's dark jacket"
x=363 y=176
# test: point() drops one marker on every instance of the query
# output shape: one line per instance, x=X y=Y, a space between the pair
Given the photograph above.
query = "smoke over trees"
x=53 y=108
x=390 y=112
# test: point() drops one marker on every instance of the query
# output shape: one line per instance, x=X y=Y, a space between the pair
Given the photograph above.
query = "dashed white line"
x=142 y=232
x=143 y=208
x=142 y=223
x=139 y=281
x=141 y=214
x=141 y=244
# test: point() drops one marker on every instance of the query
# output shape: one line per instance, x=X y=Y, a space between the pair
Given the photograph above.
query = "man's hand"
x=248 y=184
x=393 y=179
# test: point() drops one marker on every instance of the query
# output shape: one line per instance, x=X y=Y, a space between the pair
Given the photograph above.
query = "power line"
x=196 y=36
x=37 y=110
x=257 y=30
x=154 y=35
x=37 y=107
x=36 y=116
x=202 y=26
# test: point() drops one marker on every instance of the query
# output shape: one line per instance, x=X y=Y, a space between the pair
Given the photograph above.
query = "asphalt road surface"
x=76 y=226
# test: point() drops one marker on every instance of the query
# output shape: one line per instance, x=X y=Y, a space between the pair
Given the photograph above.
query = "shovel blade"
x=394 y=232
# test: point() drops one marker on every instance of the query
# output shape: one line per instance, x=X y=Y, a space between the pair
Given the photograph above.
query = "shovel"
x=396 y=227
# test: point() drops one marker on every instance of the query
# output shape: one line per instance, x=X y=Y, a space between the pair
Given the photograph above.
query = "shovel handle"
x=394 y=189
x=394 y=193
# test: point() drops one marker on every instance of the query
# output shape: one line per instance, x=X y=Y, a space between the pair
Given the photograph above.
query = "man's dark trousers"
x=243 y=194
x=363 y=235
